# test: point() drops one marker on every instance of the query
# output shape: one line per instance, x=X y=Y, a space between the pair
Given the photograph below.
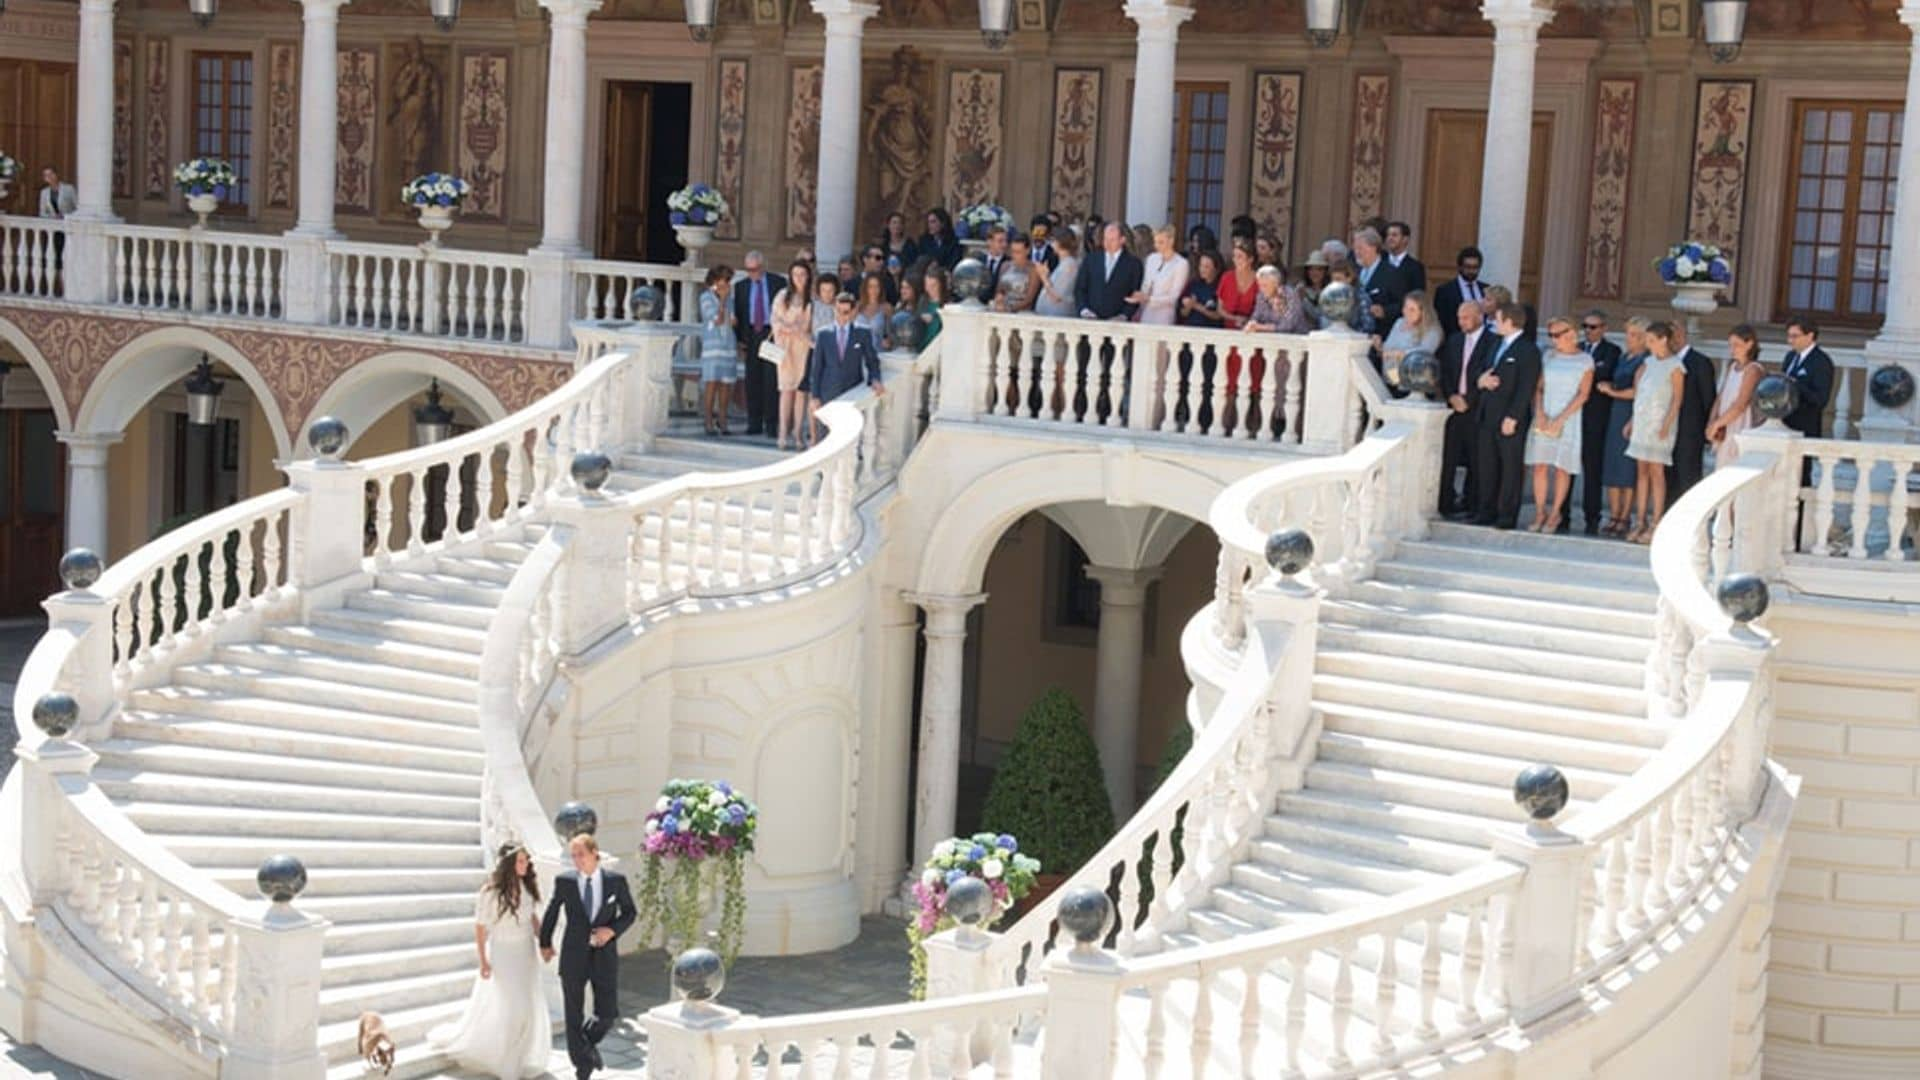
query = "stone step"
x=362 y=938
x=1371 y=814
x=360 y=672
x=1597 y=754
x=360 y=881
x=161 y=819
x=293 y=686
x=1420 y=789
x=1346 y=612
x=351 y=752
x=323 y=852
x=361 y=969
x=1485 y=680
x=422 y=606
x=1563 y=588
x=1387 y=844
x=1526 y=565
x=505 y=550
x=143 y=781
x=374 y=913
x=1585 y=549
x=340 y=1004
x=1530 y=610
x=1518 y=659
x=1494 y=711
x=441 y=586
x=375 y=648
x=1338 y=866
x=388 y=627
x=300 y=716
x=347 y=779
x=477 y=568
x=339 y=1042
x=1460 y=766
x=1301 y=890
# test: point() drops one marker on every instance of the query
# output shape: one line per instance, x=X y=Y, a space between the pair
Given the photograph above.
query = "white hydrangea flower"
x=662 y=804
x=991 y=869
x=1684 y=267
x=931 y=879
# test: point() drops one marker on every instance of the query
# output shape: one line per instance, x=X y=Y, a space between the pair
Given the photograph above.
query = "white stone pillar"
x=563 y=186
x=1504 y=169
x=839 y=170
x=319 y=115
x=87 y=488
x=1899 y=339
x=93 y=114
x=1150 y=149
x=1116 y=678
x=940 y=698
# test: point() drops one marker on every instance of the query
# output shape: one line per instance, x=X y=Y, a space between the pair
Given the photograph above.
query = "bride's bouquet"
x=697 y=840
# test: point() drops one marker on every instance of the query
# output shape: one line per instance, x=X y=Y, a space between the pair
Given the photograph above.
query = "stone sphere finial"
x=1540 y=790
x=904 y=330
x=644 y=304
x=281 y=878
x=56 y=714
x=574 y=819
x=80 y=568
x=969 y=280
x=590 y=470
x=698 y=975
x=1290 y=551
x=328 y=437
x=1084 y=912
x=969 y=901
x=1420 y=373
x=1744 y=597
x=1338 y=302
x=1891 y=386
x=1776 y=397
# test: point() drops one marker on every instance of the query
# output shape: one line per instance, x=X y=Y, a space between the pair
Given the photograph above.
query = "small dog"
x=376 y=1046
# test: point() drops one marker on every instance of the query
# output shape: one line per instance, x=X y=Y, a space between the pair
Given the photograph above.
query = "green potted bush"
x=1050 y=793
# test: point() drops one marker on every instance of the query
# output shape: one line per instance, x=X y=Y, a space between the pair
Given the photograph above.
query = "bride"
x=505 y=1030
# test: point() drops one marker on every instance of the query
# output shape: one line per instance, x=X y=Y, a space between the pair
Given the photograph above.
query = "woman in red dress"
x=1238 y=289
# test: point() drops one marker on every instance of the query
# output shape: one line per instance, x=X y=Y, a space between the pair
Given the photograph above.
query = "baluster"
x=1843 y=403
x=190 y=620
x=1680 y=818
x=492 y=303
x=202 y=963
x=217 y=256
x=1427 y=1030
x=1386 y=992
x=416 y=510
x=1506 y=946
x=1162 y=875
x=1296 y=1012
x=1659 y=825
x=149 y=927
x=1638 y=913
x=1860 y=513
x=1614 y=897
x=383 y=520
x=217 y=579
x=1127 y=910
x=472 y=275
x=270 y=554
x=516 y=305
x=126 y=909
x=516 y=474
x=1269 y=410
x=1699 y=792
x=1246 y=389
x=1897 y=514
x=1341 y=1007
x=1722 y=558
x=920 y=1067
x=123 y=646
x=1822 y=506
x=1155 y=1051
x=806 y=523
x=1201 y=1046
x=92 y=892
x=456 y=490
x=229 y=973
x=1296 y=396
x=483 y=492
x=1166 y=379
x=150 y=258
x=169 y=614
x=170 y=954
x=362 y=293
x=1472 y=947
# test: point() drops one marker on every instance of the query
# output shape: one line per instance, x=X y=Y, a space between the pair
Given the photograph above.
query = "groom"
x=599 y=909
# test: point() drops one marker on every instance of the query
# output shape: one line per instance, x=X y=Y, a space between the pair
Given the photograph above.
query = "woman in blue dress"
x=1617 y=469
x=719 y=357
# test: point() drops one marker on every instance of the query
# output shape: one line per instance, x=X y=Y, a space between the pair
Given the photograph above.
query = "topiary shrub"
x=1049 y=790
x=1179 y=741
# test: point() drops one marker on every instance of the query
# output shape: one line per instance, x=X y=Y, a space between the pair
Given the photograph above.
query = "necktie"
x=1111 y=259
x=591 y=906
x=1472 y=290
x=842 y=341
x=1466 y=359
x=1793 y=366
x=760 y=304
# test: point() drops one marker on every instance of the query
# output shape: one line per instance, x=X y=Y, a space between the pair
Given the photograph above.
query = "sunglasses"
x=1563 y=331
x=1593 y=326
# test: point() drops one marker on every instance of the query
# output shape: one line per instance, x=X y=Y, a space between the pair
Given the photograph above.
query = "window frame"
x=240 y=198
x=1186 y=92
x=1860 y=110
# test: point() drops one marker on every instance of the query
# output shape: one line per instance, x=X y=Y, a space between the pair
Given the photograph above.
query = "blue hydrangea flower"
x=677 y=218
x=1717 y=271
x=1007 y=841
x=954 y=876
x=976 y=852
x=1669 y=269
x=669 y=825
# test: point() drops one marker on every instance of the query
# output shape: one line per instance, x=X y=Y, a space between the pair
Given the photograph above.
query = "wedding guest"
x=1657 y=389
x=1163 y=280
x=1239 y=287
x=825 y=291
x=752 y=325
x=1242 y=225
x=1314 y=277
x=1413 y=272
x=719 y=354
x=1733 y=404
x=895 y=241
x=1617 y=469
x=938 y=244
x=1495 y=295
x=1418 y=330
x=1506 y=411
x=1554 y=443
x=1266 y=251
x=793 y=333
x=1336 y=251
x=1811 y=369
x=1019 y=285
x=1465 y=283
x=58 y=198
x=1463 y=356
x=1108 y=279
x=1039 y=235
x=933 y=297
x=873 y=261
x=1362 y=317
x=845 y=273
x=1277 y=310
x=1201 y=240
x=1381 y=286
x=1696 y=409
x=844 y=356
x=872 y=309
x=1593 y=420
x=995 y=260
x=1057 y=281
x=909 y=298
x=1200 y=307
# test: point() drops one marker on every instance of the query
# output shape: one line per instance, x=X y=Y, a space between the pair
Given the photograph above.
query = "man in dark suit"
x=997 y=260
x=1463 y=286
x=752 y=323
x=1379 y=283
x=1811 y=369
x=1594 y=418
x=1505 y=411
x=1696 y=408
x=844 y=355
x=1463 y=357
x=1108 y=277
x=599 y=909
x=1413 y=272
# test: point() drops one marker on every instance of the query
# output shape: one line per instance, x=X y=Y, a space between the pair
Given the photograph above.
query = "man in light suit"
x=1463 y=357
x=57 y=197
x=844 y=356
x=1505 y=412
x=599 y=909
x=1594 y=418
x=752 y=324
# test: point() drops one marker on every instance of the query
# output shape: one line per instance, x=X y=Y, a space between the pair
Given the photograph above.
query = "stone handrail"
x=948 y=1037
x=1858 y=511
x=29 y=265
x=517 y=664
x=603 y=289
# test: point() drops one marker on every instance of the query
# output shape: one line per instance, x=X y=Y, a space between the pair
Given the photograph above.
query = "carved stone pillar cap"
x=1157 y=15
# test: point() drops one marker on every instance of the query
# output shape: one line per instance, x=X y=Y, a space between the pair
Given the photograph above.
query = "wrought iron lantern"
x=1725 y=22
x=996 y=22
x=700 y=19
x=203 y=11
x=432 y=422
x=203 y=394
x=444 y=12
x=1323 y=21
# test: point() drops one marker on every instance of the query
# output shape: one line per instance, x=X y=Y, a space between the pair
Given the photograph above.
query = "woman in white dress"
x=505 y=1030
x=1733 y=404
x=1553 y=446
x=1161 y=287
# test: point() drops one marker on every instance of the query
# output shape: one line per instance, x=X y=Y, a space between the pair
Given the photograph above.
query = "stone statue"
x=414 y=112
x=900 y=137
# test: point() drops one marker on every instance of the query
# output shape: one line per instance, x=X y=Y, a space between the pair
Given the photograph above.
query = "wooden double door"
x=33 y=486
x=646 y=139
x=36 y=126
x=1450 y=211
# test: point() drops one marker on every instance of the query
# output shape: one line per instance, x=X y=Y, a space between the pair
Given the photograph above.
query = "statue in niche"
x=900 y=136
x=414 y=114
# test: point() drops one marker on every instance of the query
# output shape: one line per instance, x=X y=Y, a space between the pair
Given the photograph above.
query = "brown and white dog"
x=376 y=1046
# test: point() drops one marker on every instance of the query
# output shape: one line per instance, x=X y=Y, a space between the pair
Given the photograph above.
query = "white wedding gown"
x=505 y=1030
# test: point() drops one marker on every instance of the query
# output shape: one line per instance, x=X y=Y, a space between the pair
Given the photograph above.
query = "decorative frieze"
x=1614 y=116
x=1367 y=163
x=156 y=175
x=123 y=119
x=1717 y=195
x=1076 y=141
x=972 y=161
x=483 y=133
x=1274 y=176
x=803 y=150
x=730 y=146
x=357 y=93
x=283 y=96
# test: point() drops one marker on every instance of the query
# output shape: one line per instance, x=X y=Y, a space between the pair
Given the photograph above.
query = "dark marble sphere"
x=644 y=304
x=1084 y=913
x=56 y=713
x=327 y=436
x=80 y=568
x=969 y=279
x=1290 y=551
x=904 y=330
x=698 y=975
x=1420 y=372
x=590 y=469
x=281 y=878
x=969 y=901
x=576 y=818
x=1776 y=397
x=1743 y=597
x=1338 y=302
x=1541 y=790
x=1891 y=386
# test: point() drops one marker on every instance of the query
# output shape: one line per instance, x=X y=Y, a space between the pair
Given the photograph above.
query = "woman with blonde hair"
x=1417 y=331
x=1657 y=390
x=1553 y=446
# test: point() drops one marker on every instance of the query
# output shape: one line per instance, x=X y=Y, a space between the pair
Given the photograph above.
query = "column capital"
x=1120 y=585
x=1910 y=15
x=946 y=613
x=322 y=9
x=573 y=11
x=1158 y=17
x=88 y=448
x=844 y=16
x=1522 y=17
x=97 y=6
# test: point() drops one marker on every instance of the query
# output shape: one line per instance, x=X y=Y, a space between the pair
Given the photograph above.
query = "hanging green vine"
x=697 y=839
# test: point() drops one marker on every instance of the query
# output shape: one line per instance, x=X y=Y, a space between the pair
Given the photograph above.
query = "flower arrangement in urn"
x=205 y=182
x=696 y=842
x=973 y=222
x=437 y=196
x=9 y=172
x=697 y=205
x=1694 y=264
x=994 y=858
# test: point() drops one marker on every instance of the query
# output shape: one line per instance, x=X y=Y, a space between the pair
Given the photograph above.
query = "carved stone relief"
x=730 y=145
x=357 y=94
x=157 y=176
x=1076 y=141
x=282 y=95
x=897 y=138
x=974 y=137
x=414 y=121
x=803 y=150
x=483 y=133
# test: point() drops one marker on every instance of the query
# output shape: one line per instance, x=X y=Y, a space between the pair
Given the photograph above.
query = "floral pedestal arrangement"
x=437 y=196
x=994 y=859
x=205 y=182
x=694 y=211
x=9 y=172
x=697 y=840
x=1696 y=273
x=972 y=224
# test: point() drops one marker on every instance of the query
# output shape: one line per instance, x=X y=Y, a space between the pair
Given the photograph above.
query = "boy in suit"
x=599 y=909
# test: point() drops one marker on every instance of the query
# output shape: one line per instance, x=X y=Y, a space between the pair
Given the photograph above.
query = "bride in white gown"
x=505 y=1031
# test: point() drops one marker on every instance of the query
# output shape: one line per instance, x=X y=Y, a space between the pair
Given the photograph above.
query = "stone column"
x=87 y=488
x=940 y=697
x=93 y=115
x=1150 y=151
x=319 y=116
x=549 y=266
x=839 y=169
x=1503 y=174
x=1116 y=678
x=1899 y=339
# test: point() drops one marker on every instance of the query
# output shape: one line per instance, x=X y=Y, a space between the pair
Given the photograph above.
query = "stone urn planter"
x=1695 y=300
x=202 y=205
x=436 y=220
x=694 y=240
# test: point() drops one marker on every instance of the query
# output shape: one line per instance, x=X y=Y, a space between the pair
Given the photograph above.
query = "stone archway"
x=374 y=387
x=37 y=363
x=149 y=363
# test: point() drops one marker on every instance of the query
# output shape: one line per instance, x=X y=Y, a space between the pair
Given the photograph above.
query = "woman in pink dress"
x=793 y=332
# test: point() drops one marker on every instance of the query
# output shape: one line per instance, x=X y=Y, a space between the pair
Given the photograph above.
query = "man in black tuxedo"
x=1594 y=418
x=1700 y=386
x=1463 y=357
x=1379 y=283
x=1811 y=369
x=599 y=909
x=1413 y=272
x=1505 y=411
x=752 y=323
x=1464 y=285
